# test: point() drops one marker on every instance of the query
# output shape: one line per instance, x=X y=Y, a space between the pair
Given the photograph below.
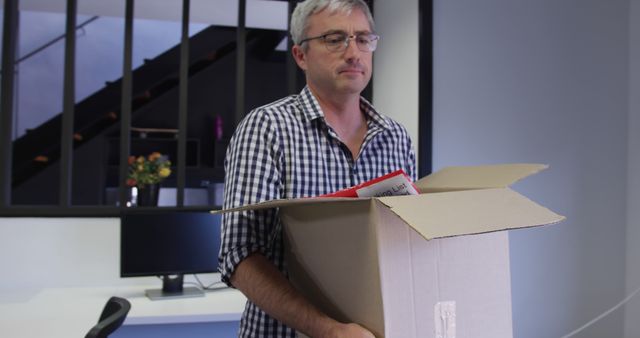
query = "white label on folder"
x=394 y=186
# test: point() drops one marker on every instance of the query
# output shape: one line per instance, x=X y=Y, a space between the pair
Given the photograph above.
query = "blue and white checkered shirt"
x=286 y=150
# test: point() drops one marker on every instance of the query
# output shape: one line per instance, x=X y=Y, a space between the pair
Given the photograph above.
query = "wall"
x=59 y=252
x=632 y=325
x=545 y=82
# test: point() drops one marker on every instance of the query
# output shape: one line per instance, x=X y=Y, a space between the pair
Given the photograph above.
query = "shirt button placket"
x=354 y=174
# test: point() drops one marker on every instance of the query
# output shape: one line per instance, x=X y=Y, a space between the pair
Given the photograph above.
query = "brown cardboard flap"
x=477 y=177
x=447 y=214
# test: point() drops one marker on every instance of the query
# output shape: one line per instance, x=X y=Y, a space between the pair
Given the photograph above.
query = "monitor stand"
x=172 y=287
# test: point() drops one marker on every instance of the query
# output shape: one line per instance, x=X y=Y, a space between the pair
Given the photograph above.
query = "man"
x=325 y=139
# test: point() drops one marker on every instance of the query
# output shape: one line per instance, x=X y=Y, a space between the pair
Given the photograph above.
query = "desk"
x=71 y=312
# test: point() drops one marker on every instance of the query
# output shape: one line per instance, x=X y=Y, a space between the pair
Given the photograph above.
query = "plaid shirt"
x=287 y=150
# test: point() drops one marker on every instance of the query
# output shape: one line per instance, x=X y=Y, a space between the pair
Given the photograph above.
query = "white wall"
x=532 y=81
x=37 y=253
x=632 y=324
x=544 y=81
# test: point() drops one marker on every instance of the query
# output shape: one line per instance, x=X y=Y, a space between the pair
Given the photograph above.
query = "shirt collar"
x=311 y=109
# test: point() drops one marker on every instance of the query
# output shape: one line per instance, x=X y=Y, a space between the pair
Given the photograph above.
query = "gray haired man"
x=319 y=141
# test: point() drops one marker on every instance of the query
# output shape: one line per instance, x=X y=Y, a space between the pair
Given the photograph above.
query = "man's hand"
x=349 y=331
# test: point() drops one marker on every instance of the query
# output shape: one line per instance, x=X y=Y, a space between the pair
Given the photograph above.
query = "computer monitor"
x=169 y=244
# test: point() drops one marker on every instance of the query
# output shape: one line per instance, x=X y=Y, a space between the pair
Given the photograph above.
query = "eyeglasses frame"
x=347 y=41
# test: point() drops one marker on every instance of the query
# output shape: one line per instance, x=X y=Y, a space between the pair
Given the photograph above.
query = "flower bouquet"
x=145 y=173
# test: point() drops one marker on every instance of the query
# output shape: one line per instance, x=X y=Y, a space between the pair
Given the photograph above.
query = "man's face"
x=340 y=72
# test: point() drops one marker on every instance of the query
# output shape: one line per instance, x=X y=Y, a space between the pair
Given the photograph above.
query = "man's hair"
x=300 y=16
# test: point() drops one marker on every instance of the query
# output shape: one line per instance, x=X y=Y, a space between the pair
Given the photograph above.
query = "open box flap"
x=477 y=177
x=447 y=214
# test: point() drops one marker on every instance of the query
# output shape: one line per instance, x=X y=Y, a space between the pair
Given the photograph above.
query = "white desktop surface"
x=71 y=312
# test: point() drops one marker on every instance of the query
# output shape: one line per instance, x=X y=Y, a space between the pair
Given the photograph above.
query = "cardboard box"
x=428 y=265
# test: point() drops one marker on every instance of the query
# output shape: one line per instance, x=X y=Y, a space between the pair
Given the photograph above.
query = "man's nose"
x=352 y=51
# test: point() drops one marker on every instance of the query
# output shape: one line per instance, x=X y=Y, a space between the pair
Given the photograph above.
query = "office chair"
x=111 y=318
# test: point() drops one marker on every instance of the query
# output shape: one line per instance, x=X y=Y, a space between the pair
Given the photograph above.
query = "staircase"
x=99 y=113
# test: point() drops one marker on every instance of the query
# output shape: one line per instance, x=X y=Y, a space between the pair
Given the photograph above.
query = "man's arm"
x=265 y=286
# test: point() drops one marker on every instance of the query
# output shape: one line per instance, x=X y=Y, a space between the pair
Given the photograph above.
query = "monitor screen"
x=160 y=243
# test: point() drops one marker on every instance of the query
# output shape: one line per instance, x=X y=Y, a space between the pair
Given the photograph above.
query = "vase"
x=148 y=196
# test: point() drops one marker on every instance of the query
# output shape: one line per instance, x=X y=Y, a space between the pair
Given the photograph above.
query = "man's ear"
x=300 y=57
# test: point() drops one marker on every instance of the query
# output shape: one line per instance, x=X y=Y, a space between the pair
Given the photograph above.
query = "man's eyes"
x=340 y=38
x=335 y=38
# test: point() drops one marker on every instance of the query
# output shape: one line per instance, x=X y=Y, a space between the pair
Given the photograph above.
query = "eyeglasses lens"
x=338 y=42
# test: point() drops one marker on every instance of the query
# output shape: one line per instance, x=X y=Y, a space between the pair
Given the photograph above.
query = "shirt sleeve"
x=252 y=175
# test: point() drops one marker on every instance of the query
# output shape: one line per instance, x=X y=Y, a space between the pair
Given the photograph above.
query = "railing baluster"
x=125 y=110
x=184 y=104
x=66 y=139
x=9 y=39
x=425 y=88
x=241 y=66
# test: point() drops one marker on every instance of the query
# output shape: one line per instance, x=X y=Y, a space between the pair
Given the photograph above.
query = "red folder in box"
x=392 y=184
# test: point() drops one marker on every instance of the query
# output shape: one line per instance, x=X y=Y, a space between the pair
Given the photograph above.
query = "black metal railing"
x=64 y=207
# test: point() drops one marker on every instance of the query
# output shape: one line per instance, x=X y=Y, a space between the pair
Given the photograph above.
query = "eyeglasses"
x=338 y=42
